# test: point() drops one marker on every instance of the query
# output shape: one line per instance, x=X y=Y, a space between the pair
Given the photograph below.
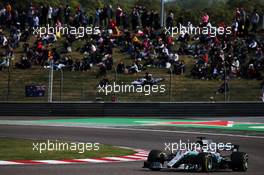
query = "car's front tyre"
x=156 y=159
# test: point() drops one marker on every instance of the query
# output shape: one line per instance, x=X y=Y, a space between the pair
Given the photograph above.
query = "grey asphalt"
x=132 y=138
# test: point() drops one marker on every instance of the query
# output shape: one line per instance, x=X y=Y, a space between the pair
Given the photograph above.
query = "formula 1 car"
x=198 y=160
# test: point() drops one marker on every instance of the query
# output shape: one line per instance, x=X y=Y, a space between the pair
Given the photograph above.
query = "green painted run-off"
x=211 y=124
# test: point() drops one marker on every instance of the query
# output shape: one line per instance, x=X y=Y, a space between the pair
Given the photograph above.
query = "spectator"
x=169 y=21
x=134 y=68
x=35 y=21
x=67 y=14
x=205 y=19
x=23 y=64
x=255 y=21
x=120 y=69
x=97 y=17
x=119 y=14
x=135 y=18
x=50 y=12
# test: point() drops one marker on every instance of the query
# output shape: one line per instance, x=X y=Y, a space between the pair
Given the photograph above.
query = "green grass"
x=22 y=149
x=82 y=86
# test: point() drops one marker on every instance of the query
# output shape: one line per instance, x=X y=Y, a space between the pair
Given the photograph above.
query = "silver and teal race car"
x=204 y=160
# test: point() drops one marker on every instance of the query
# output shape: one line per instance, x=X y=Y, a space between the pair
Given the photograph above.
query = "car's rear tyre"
x=206 y=162
x=156 y=156
x=239 y=161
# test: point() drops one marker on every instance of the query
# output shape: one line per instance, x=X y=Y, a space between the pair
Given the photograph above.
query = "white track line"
x=119 y=159
x=93 y=160
x=132 y=156
x=127 y=158
x=3 y=162
x=56 y=162
x=142 y=155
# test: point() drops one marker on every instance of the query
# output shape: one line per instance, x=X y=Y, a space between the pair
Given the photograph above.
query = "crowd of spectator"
x=138 y=34
x=230 y=56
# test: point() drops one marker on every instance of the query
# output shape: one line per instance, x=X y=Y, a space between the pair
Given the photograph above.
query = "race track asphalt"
x=145 y=139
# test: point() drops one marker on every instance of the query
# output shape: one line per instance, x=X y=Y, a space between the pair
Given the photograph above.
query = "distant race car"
x=143 y=81
x=198 y=160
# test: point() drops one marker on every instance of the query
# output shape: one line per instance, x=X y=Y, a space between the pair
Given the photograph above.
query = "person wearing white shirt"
x=165 y=51
x=36 y=21
x=235 y=66
x=93 y=48
x=50 y=12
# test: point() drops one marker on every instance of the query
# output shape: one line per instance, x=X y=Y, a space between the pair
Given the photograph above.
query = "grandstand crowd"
x=137 y=33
